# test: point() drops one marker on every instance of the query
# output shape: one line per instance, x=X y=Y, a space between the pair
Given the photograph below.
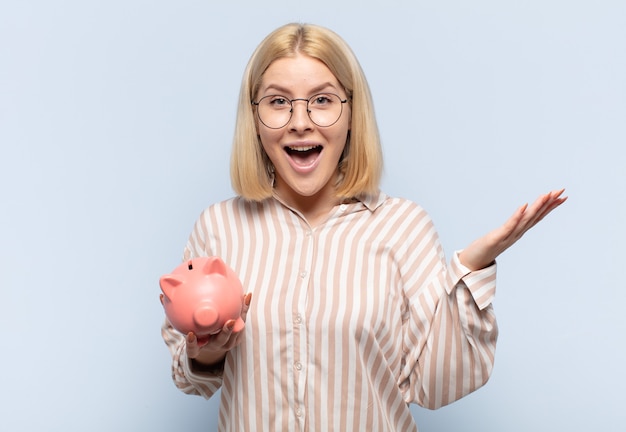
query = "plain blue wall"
x=116 y=120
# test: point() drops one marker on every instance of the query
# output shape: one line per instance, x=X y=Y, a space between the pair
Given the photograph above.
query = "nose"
x=300 y=120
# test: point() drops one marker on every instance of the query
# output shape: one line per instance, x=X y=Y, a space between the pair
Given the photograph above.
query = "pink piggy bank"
x=201 y=295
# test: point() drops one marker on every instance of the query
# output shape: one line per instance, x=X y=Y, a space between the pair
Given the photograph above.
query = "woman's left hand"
x=482 y=252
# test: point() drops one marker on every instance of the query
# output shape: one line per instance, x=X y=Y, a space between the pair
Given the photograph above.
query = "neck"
x=314 y=208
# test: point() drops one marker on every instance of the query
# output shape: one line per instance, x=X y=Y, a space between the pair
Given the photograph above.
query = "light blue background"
x=116 y=120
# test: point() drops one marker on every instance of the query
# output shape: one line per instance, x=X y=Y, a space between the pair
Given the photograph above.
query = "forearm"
x=477 y=255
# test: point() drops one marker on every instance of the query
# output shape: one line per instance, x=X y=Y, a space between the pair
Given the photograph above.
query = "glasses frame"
x=291 y=101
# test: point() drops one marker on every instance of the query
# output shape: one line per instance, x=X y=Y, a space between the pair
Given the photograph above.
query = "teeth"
x=301 y=149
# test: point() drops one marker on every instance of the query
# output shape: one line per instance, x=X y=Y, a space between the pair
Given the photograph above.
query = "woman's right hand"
x=213 y=350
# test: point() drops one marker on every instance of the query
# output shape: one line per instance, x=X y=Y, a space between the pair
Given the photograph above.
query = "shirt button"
x=303 y=274
x=299 y=412
x=298 y=319
x=343 y=207
x=298 y=366
x=309 y=233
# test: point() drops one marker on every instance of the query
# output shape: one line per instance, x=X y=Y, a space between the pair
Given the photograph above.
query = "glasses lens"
x=325 y=109
x=275 y=111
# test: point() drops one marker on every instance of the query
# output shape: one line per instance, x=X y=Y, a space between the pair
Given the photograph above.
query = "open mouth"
x=304 y=155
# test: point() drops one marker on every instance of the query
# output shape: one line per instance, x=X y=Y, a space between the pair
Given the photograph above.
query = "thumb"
x=192 y=345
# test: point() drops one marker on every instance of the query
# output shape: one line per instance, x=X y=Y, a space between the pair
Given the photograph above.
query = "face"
x=305 y=156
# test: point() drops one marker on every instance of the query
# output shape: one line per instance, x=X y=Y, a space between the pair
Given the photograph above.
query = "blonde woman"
x=352 y=310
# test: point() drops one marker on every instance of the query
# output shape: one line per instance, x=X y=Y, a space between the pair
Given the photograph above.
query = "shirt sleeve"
x=450 y=333
x=185 y=378
x=480 y=283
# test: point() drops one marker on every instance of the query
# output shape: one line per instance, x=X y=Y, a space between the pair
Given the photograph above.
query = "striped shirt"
x=350 y=321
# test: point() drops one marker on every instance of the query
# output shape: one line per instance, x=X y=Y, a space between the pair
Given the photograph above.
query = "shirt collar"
x=372 y=201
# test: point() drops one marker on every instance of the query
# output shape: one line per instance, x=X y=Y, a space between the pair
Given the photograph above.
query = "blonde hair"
x=361 y=164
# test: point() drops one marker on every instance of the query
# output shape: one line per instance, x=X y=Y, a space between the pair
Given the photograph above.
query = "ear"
x=168 y=285
x=215 y=265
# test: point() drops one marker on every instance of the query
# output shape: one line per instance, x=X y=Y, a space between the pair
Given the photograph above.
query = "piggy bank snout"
x=201 y=295
x=205 y=316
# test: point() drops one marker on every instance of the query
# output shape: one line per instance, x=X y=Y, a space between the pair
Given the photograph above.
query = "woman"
x=352 y=311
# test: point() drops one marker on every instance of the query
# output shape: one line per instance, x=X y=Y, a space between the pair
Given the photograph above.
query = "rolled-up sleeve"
x=480 y=283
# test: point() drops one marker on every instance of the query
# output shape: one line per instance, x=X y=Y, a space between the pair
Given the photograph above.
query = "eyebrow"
x=314 y=90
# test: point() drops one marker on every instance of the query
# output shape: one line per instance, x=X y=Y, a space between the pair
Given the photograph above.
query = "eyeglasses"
x=275 y=111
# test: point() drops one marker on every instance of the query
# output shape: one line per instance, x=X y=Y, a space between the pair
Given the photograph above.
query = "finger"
x=534 y=212
x=233 y=337
x=549 y=202
x=521 y=221
x=554 y=200
x=538 y=210
x=219 y=340
x=246 y=305
x=555 y=196
x=192 y=345
x=548 y=209
x=557 y=193
x=510 y=227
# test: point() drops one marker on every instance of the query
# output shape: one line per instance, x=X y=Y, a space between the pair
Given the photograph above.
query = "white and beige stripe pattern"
x=349 y=321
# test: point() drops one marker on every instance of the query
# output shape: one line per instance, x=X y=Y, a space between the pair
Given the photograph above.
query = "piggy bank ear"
x=168 y=284
x=215 y=265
